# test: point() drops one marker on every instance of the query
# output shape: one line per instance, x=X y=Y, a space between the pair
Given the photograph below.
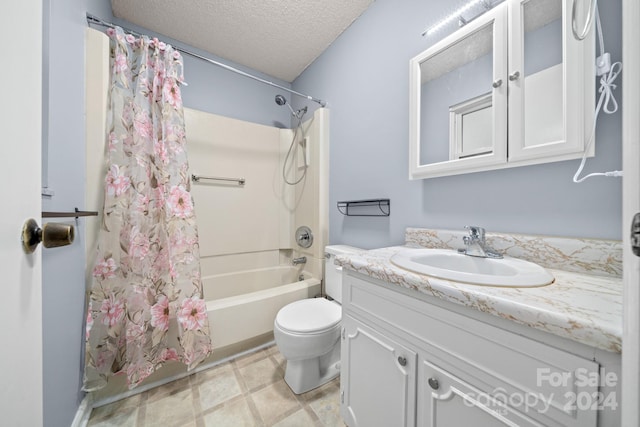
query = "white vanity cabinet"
x=410 y=361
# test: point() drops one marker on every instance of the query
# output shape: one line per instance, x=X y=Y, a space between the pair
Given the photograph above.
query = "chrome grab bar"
x=197 y=178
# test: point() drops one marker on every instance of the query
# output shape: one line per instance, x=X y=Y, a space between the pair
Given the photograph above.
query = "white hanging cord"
x=606 y=101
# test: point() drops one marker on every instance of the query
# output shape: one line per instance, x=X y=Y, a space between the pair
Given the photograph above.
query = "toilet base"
x=305 y=375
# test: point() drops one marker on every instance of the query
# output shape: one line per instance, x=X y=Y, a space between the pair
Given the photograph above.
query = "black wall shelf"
x=371 y=207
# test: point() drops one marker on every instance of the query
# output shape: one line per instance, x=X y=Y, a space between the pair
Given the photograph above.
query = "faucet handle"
x=475 y=231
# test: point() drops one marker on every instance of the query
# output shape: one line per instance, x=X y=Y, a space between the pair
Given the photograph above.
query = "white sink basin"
x=451 y=265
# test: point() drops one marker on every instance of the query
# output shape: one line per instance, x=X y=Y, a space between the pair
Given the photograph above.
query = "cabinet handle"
x=515 y=76
x=497 y=83
x=402 y=361
x=433 y=383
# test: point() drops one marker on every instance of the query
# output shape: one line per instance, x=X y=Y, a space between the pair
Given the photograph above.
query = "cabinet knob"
x=497 y=83
x=433 y=383
x=515 y=76
x=402 y=361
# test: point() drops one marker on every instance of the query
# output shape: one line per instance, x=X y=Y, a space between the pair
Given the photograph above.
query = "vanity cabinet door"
x=446 y=400
x=378 y=378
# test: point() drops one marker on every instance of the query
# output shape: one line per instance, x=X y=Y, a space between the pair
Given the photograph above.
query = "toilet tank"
x=333 y=272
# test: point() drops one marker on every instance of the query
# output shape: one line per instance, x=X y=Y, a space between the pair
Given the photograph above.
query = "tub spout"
x=300 y=260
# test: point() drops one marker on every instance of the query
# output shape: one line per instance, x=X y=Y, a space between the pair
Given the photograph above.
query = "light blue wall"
x=211 y=89
x=63 y=289
x=365 y=77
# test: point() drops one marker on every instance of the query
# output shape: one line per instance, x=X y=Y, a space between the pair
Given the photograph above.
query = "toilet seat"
x=311 y=315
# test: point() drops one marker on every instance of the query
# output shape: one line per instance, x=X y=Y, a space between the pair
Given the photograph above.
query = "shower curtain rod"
x=92 y=19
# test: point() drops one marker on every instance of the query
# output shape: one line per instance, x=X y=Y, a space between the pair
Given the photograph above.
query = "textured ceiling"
x=280 y=38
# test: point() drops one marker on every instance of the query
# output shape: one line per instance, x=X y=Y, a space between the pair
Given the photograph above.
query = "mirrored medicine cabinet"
x=511 y=88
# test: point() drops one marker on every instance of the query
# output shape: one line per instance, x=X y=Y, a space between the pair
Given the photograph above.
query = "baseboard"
x=84 y=412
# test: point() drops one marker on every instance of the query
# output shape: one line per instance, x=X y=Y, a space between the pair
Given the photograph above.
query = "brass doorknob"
x=52 y=235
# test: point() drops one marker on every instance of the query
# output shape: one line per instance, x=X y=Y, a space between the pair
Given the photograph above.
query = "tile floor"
x=247 y=391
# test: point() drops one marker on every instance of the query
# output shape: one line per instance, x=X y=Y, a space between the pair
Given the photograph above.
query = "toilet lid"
x=309 y=315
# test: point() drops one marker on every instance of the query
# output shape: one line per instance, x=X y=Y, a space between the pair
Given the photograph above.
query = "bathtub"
x=243 y=305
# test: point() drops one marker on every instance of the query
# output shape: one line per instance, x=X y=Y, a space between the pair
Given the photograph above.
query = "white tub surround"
x=585 y=306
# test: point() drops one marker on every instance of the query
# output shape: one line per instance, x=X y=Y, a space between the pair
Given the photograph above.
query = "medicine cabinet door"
x=551 y=96
x=458 y=101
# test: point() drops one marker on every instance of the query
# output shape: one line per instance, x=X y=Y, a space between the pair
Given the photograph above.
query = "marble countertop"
x=581 y=307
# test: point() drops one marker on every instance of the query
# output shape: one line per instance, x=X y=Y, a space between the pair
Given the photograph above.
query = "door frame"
x=630 y=205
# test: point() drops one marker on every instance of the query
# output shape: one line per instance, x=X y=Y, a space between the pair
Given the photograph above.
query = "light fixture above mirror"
x=463 y=15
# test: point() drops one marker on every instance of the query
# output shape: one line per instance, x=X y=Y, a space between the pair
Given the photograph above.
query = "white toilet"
x=307 y=332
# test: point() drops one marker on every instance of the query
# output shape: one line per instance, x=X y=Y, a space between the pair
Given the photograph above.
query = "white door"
x=630 y=206
x=20 y=170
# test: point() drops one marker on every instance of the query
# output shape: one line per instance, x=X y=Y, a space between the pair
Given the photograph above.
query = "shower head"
x=280 y=100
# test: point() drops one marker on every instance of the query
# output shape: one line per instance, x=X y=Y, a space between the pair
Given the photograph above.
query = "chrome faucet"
x=475 y=244
x=300 y=260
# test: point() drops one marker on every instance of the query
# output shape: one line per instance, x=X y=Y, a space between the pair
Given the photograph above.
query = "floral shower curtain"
x=145 y=306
